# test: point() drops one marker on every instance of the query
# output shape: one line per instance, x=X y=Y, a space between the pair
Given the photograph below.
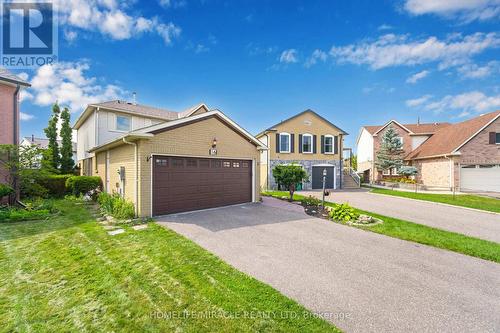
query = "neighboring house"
x=168 y=162
x=307 y=139
x=42 y=143
x=10 y=87
x=463 y=156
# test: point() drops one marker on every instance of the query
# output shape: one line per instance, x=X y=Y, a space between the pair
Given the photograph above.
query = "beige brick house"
x=463 y=156
x=197 y=159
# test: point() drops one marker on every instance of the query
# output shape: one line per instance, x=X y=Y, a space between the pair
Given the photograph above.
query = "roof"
x=450 y=139
x=428 y=128
x=7 y=76
x=137 y=109
x=298 y=115
x=43 y=143
x=148 y=132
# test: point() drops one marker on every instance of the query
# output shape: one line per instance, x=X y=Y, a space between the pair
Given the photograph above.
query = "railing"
x=350 y=172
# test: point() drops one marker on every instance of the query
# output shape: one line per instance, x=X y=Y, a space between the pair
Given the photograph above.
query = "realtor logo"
x=29 y=34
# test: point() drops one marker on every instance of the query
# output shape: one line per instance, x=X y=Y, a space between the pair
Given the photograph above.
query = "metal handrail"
x=353 y=174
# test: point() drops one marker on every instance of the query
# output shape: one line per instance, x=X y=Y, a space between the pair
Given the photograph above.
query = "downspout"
x=268 y=161
x=136 y=174
x=16 y=139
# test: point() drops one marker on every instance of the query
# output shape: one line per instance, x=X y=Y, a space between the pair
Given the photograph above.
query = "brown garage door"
x=182 y=184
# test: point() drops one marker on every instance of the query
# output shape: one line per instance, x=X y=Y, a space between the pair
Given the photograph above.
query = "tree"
x=29 y=156
x=67 y=163
x=390 y=154
x=51 y=133
x=289 y=176
x=408 y=171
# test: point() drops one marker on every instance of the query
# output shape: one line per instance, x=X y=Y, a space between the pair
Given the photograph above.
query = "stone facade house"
x=464 y=156
x=307 y=139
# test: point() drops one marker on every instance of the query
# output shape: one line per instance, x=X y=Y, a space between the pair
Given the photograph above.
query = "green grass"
x=422 y=234
x=68 y=275
x=463 y=200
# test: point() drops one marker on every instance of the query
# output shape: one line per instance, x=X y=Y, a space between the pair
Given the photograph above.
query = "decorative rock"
x=116 y=232
x=140 y=227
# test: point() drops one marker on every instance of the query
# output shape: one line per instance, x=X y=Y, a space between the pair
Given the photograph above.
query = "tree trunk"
x=292 y=190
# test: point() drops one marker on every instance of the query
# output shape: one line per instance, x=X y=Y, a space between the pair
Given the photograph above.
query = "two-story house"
x=10 y=88
x=168 y=162
x=307 y=139
x=464 y=156
x=41 y=143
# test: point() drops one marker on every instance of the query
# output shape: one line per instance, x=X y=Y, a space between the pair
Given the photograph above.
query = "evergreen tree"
x=51 y=133
x=67 y=163
x=390 y=154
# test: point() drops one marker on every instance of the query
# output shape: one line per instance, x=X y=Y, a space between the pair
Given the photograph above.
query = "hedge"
x=56 y=185
x=81 y=185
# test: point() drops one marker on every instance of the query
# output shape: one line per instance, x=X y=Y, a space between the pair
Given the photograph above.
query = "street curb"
x=437 y=203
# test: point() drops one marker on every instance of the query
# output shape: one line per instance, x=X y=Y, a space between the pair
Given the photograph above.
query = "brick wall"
x=479 y=151
x=434 y=172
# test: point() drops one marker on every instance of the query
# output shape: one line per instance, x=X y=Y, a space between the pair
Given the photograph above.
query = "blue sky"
x=354 y=62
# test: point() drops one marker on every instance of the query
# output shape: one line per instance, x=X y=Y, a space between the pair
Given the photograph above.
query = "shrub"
x=5 y=190
x=116 y=206
x=81 y=185
x=343 y=212
x=289 y=176
x=310 y=201
x=55 y=185
x=16 y=214
x=30 y=184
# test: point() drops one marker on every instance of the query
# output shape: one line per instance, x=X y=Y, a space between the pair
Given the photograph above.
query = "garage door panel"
x=183 y=184
x=480 y=179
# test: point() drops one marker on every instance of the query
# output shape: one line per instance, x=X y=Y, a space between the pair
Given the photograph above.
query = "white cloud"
x=418 y=101
x=385 y=27
x=398 y=50
x=111 y=19
x=464 y=10
x=417 y=77
x=25 y=117
x=317 y=55
x=473 y=71
x=289 y=56
x=173 y=4
x=472 y=101
x=67 y=83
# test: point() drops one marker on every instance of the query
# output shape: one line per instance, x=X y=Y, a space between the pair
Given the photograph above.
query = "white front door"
x=480 y=178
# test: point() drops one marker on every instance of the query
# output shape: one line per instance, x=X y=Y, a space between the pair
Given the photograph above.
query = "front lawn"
x=67 y=274
x=463 y=200
x=423 y=234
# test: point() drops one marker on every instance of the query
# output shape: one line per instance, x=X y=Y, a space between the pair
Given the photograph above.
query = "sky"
x=354 y=62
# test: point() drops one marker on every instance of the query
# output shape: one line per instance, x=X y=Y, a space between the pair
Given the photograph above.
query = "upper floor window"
x=122 y=123
x=284 y=143
x=498 y=138
x=328 y=144
x=307 y=143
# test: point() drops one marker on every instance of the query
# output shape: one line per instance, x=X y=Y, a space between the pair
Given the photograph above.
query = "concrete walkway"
x=464 y=221
x=361 y=281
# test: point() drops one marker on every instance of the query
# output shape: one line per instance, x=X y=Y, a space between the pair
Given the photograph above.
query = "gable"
x=308 y=122
x=200 y=110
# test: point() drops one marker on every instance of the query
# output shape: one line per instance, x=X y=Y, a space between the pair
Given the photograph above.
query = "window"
x=177 y=162
x=244 y=165
x=328 y=144
x=307 y=143
x=386 y=172
x=236 y=164
x=162 y=162
x=284 y=143
x=226 y=164
x=122 y=123
x=497 y=138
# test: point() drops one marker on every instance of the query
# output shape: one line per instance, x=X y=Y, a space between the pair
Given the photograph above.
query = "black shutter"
x=322 y=144
x=335 y=144
x=292 y=143
x=277 y=142
x=300 y=143
x=493 y=138
x=315 y=143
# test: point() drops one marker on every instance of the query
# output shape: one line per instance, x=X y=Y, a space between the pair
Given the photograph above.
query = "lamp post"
x=324 y=181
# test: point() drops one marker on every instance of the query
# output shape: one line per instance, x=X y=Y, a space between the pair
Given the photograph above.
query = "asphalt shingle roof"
x=5 y=75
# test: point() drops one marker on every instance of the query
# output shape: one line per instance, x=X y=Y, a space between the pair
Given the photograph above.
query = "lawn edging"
x=437 y=203
x=422 y=234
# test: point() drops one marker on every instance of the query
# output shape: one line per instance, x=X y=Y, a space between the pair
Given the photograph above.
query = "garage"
x=480 y=178
x=183 y=184
x=317 y=176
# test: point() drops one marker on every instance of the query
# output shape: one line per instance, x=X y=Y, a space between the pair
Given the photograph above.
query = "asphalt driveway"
x=361 y=281
x=457 y=219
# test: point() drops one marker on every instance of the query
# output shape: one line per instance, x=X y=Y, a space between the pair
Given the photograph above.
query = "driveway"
x=463 y=221
x=361 y=281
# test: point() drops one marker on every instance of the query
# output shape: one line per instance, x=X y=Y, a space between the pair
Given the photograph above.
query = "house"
x=307 y=139
x=42 y=143
x=10 y=87
x=463 y=156
x=370 y=139
x=169 y=162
